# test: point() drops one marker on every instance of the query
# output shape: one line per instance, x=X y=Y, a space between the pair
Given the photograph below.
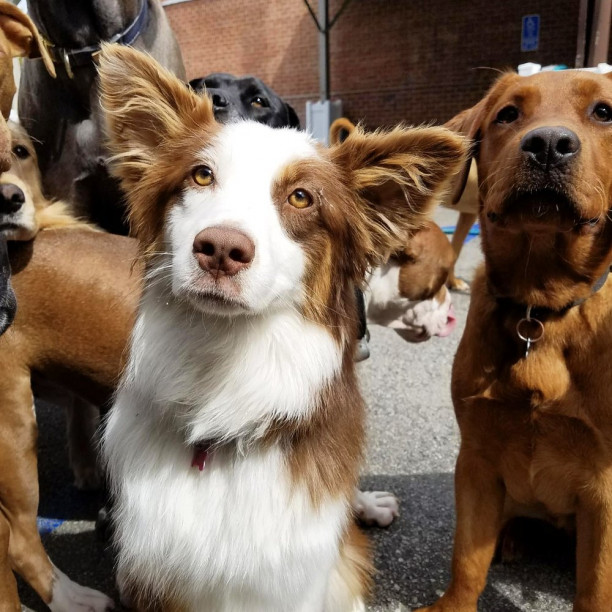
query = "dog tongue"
x=200 y=453
x=451 y=322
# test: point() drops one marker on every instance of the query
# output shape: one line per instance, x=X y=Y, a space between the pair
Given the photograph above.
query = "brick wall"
x=391 y=60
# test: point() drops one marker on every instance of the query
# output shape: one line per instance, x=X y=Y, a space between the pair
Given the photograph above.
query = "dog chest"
x=238 y=535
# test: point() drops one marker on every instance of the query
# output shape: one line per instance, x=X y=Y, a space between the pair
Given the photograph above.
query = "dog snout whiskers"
x=11 y=198
x=223 y=251
x=550 y=147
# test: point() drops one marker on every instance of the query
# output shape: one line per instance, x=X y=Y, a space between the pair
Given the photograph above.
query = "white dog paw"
x=68 y=596
x=376 y=507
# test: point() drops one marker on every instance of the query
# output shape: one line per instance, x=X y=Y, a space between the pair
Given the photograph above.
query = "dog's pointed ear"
x=339 y=130
x=396 y=177
x=144 y=105
x=22 y=36
x=292 y=117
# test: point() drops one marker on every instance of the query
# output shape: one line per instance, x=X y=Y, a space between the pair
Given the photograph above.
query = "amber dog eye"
x=602 y=112
x=259 y=102
x=21 y=152
x=508 y=114
x=300 y=199
x=203 y=176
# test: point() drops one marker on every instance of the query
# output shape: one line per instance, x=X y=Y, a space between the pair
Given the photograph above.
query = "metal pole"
x=581 y=43
x=600 y=33
x=324 y=50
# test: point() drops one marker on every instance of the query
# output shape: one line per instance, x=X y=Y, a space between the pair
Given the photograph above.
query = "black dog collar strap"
x=76 y=58
x=541 y=312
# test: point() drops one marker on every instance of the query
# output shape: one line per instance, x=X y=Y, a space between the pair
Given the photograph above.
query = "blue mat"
x=47 y=525
x=474 y=231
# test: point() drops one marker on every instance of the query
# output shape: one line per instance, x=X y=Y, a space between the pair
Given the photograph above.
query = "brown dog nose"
x=223 y=250
x=549 y=147
x=11 y=198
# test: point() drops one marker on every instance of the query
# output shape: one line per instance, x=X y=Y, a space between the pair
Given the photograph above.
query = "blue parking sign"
x=530 y=36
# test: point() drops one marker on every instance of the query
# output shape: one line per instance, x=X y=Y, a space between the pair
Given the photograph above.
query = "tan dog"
x=24 y=210
x=531 y=397
x=71 y=328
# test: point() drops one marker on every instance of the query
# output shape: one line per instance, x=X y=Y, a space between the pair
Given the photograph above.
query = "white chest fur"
x=239 y=535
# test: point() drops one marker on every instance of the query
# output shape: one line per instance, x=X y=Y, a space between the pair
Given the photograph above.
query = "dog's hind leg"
x=19 y=500
x=9 y=600
x=351 y=578
x=464 y=224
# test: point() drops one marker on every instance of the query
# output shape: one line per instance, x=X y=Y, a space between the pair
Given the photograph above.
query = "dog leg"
x=9 y=600
x=479 y=497
x=82 y=424
x=464 y=224
x=19 y=491
x=375 y=507
x=594 y=553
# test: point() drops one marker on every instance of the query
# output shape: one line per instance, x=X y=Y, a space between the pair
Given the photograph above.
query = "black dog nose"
x=549 y=147
x=11 y=198
x=219 y=101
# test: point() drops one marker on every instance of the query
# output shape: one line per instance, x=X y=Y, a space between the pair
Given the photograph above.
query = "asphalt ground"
x=412 y=445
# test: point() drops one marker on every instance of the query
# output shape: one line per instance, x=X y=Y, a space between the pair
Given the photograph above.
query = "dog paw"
x=376 y=507
x=458 y=284
x=68 y=596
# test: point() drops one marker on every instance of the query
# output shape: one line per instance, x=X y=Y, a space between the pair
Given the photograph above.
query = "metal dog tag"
x=529 y=330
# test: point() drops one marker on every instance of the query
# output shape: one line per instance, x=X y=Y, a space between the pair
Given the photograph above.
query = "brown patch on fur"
x=155 y=127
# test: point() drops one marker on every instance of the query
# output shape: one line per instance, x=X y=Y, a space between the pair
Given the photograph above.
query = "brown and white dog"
x=531 y=384
x=407 y=292
x=238 y=424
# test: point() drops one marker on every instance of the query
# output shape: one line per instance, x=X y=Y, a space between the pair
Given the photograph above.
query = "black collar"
x=76 y=58
x=542 y=312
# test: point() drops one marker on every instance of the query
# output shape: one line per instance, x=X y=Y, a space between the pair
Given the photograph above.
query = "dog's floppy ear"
x=22 y=36
x=468 y=122
x=396 y=177
x=340 y=130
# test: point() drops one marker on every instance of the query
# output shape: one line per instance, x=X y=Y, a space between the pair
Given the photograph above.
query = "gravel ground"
x=413 y=442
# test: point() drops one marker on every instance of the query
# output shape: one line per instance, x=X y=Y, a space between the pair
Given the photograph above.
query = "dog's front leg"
x=479 y=498
x=594 y=551
x=9 y=600
x=19 y=500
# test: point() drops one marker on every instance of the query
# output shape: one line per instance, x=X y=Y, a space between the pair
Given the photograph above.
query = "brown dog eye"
x=602 y=112
x=300 y=199
x=203 y=176
x=508 y=114
x=259 y=102
x=21 y=152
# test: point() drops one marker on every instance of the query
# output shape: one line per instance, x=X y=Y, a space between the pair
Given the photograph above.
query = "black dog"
x=245 y=98
x=8 y=303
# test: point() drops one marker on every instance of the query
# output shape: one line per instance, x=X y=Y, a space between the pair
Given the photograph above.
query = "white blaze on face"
x=246 y=159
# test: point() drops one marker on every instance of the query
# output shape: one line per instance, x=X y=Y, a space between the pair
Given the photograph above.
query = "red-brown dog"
x=533 y=402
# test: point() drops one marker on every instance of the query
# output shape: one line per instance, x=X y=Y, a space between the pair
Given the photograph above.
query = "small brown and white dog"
x=234 y=444
x=408 y=293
